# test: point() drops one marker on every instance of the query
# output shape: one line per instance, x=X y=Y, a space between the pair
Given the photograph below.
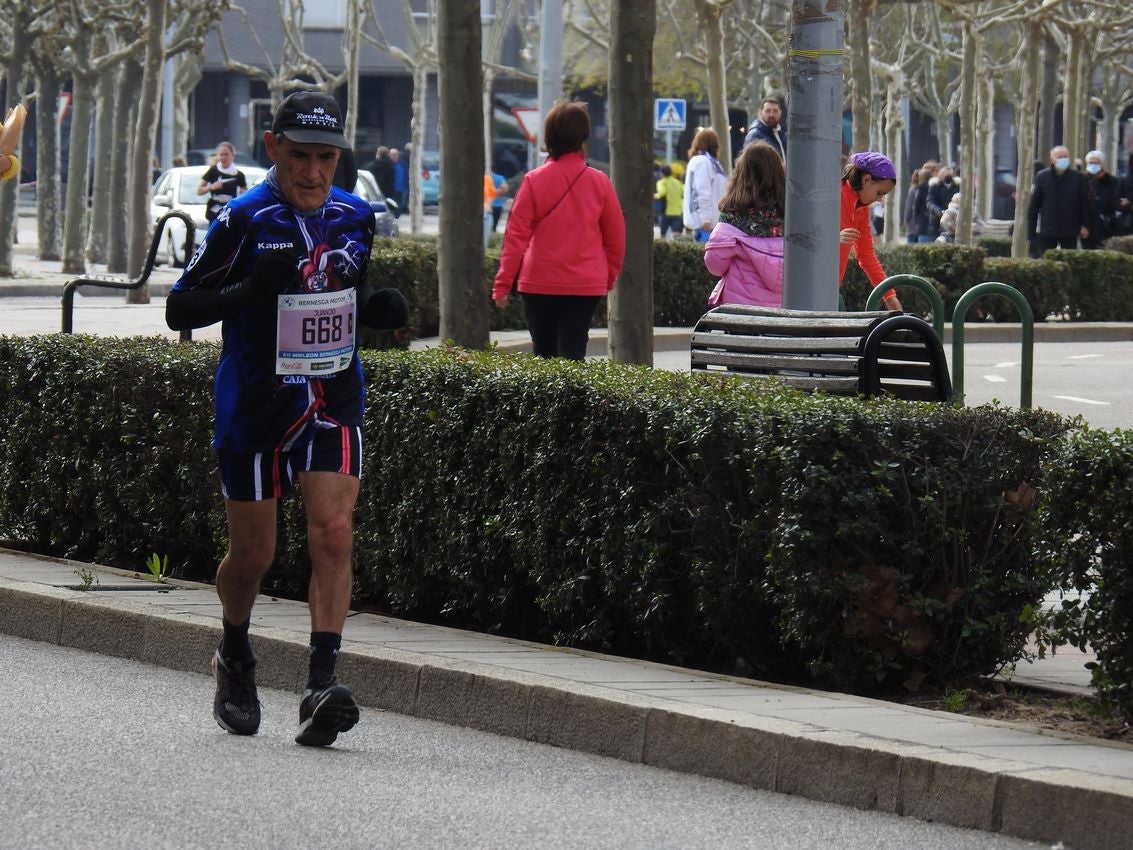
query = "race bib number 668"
x=315 y=333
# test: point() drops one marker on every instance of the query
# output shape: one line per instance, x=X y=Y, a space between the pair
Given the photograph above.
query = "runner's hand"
x=386 y=309
x=273 y=273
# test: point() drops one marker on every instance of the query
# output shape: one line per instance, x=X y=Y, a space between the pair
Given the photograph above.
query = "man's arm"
x=272 y=274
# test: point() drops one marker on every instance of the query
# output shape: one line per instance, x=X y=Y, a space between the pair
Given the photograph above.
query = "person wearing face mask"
x=1058 y=212
x=1102 y=190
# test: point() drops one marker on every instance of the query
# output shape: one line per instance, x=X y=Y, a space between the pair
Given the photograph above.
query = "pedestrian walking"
x=222 y=182
x=382 y=167
x=705 y=182
x=285 y=272
x=565 y=239
x=768 y=127
x=1058 y=212
x=499 y=183
x=745 y=249
x=1102 y=192
x=670 y=194
x=869 y=177
x=927 y=227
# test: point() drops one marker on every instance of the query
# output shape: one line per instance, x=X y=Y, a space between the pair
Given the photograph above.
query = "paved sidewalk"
x=865 y=753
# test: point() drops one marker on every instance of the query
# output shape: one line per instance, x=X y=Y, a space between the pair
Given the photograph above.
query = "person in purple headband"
x=869 y=177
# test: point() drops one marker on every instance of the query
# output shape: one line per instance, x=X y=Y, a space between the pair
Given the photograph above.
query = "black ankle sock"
x=235 y=643
x=324 y=654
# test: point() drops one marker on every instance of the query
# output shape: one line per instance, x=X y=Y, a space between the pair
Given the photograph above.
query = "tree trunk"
x=47 y=195
x=417 y=134
x=100 y=194
x=861 y=91
x=145 y=136
x=1025 y=114
x=354 y=17
x=894 y=135
x=9 y=189
x=633 y=24
x=185 y=79
x=1072 y=106
x=1049 y=100
x=967 y=172
x=75 y=214
x=985 y=181
x=129 y=80
x=460 y=254
x=710 y=16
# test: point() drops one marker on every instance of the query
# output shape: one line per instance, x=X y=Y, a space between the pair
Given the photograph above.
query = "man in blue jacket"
x=767 y=128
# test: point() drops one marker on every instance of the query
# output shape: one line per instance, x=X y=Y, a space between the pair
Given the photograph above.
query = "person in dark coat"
x=1102 y=191
x=941 y=188
x=767 y=127
x=382 y=167
x=927 y=227
x=1058 y=212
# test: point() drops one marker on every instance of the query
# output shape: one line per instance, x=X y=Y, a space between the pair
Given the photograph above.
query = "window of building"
x=325 y=15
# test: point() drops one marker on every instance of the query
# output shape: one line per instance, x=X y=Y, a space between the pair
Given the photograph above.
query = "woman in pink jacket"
x=746 y=247
x=565 y=240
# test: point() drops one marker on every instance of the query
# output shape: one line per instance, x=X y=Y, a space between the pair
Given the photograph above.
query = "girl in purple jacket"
x=746 y=248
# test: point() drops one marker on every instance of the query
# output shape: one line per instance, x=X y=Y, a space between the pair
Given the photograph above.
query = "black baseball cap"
x=310 y=117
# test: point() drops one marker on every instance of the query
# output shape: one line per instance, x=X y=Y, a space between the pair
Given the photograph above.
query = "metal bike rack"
x=992 y=287
x=109 y=282
x=925 y=286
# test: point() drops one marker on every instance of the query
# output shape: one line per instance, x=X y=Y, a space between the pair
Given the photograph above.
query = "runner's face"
x=304 y=171
x=224 y=155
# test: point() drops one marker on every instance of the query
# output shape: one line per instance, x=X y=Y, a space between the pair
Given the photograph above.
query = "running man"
x=283 y=266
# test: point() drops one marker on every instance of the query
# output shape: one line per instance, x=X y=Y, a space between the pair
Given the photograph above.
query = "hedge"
x=1079 y=286
x=1089 y=536
x=700 y=521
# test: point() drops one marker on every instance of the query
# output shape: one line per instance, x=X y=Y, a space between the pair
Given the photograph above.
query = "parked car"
x=430 y=166
x=385 y=209
x=176 y=189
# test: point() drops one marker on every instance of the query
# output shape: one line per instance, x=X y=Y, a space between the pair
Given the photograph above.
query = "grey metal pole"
x=816 y=56
x=550 y=61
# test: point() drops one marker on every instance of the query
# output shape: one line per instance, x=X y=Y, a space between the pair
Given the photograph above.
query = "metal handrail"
x=107 y=282
x=870 y=379
x=924 y=285
x=993 y=287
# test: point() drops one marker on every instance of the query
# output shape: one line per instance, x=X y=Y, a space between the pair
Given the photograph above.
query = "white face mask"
x=1062 y=163
x=1093 y=168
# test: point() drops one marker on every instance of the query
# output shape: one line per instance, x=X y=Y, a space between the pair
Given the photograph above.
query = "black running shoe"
x=236 y=705
x=324 y=712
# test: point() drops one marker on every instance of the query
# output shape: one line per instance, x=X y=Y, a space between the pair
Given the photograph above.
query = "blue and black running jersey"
x=256 y=409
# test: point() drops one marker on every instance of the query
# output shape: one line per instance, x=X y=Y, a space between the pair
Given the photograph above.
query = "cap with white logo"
x=310 y=117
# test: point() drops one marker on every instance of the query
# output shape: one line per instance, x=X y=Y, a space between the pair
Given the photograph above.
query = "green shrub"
x=681 y=283
x=1086 y=523
x=952 y=268
x=1123 y=244
x=708 y=522
x=1101 y=285
x=1044 y=283
x=995 y=246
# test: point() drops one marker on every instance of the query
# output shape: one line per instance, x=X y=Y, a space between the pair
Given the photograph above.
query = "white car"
x=176 y=189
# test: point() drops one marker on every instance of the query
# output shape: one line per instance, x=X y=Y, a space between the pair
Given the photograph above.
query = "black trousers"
x=559 y=324
x=1041 y=244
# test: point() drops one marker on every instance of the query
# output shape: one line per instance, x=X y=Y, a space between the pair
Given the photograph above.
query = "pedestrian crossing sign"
x=668 y=113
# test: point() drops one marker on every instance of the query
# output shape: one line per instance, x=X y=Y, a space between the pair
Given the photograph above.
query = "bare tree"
x=633 y=24
x=420 y=57
x=460 y=255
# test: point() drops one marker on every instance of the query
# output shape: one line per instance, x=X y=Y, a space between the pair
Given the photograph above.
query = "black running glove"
x=273 y=273
x=385 y=309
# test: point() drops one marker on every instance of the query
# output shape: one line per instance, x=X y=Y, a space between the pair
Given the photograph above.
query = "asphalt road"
x=99 y=752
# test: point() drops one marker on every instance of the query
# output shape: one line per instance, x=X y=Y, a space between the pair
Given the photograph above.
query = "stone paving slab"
x=834 y=747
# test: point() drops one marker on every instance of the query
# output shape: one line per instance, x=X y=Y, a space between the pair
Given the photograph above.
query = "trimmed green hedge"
x=1044 y=283
x=1089 y=534
x=1079 y=285
x=1101 y=285
x=731 y=526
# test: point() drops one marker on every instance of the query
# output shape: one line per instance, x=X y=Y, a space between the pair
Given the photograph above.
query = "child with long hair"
x=746 y=247
x=869 y=177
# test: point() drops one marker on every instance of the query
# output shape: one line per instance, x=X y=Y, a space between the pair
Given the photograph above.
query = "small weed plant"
x=157 y=566
x=87 y=578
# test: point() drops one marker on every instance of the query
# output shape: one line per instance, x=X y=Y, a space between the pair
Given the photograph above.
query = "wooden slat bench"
x=875 y=353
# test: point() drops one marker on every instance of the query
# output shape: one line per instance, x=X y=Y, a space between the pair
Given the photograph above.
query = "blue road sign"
x=668 y=113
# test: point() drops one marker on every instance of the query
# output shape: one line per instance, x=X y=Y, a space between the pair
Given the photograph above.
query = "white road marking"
x=1082 y=400
x=1083 y=356
x=995 y=379
x=1007 y=364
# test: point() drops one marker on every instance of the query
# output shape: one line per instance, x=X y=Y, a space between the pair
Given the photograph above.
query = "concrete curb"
x=793 y=757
